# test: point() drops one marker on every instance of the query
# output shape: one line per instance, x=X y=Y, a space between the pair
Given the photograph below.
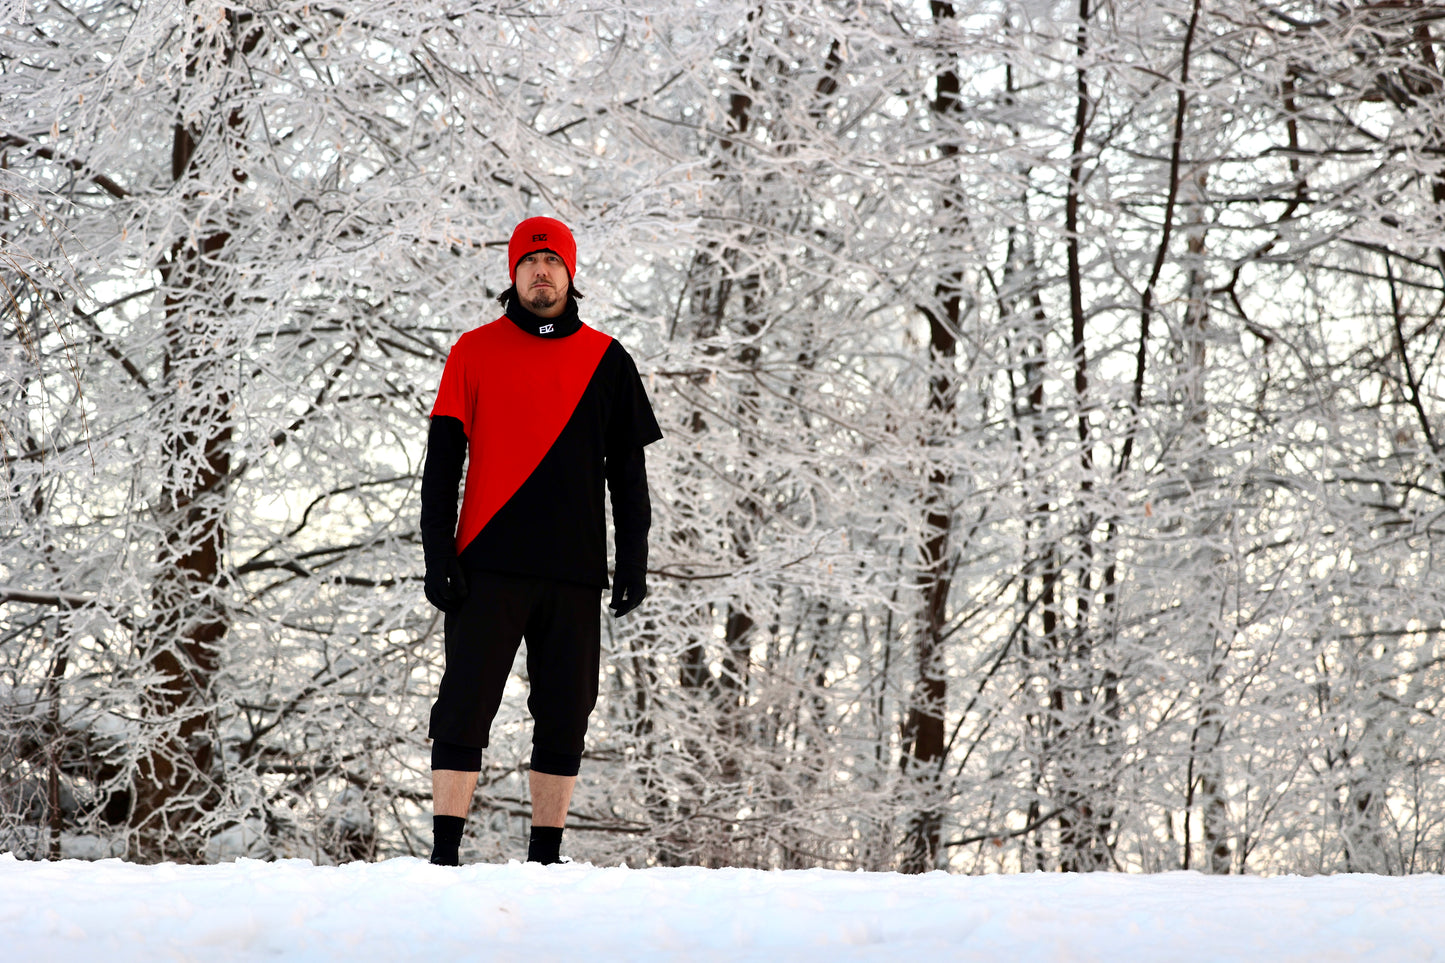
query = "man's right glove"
x=446 y=586
x=628 y=591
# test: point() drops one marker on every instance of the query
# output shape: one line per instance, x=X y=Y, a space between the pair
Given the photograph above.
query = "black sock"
x=545 y=846
x=447 y=839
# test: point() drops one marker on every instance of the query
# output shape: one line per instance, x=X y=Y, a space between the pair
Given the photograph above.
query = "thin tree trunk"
x=1082 y=845
x=923 y=734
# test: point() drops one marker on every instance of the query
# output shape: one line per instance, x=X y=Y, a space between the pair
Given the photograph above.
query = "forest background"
x=1052 y=392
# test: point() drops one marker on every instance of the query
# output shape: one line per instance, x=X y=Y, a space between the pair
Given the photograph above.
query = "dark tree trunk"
x=923 y=731
x=176 y=783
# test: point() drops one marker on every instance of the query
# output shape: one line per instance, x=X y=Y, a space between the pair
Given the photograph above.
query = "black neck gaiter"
x=559 y=327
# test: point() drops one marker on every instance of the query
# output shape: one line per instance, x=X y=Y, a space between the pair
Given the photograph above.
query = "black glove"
x=446 y=586
x=628 y=591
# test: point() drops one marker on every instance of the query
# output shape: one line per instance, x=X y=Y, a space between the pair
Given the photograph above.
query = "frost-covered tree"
x=1052 y=472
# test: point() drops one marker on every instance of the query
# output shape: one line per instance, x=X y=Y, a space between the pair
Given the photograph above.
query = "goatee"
x=540 y=300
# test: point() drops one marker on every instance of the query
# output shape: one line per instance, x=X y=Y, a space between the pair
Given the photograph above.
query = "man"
x=541 y=408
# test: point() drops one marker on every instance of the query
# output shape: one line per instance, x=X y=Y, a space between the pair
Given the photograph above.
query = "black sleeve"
x=631 y=510
x=631 y=423
x=446 y=452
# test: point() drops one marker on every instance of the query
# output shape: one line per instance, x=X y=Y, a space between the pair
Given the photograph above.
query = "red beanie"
x=541 y=234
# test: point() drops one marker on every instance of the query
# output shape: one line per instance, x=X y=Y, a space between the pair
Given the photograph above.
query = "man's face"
x=542 y=284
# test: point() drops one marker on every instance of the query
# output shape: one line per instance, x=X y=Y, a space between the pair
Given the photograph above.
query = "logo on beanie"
x=538 y=238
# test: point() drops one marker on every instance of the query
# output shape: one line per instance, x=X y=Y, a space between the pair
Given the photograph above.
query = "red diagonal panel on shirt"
x=525 y=390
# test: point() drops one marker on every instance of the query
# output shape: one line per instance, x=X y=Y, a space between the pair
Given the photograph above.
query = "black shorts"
x=561 y=622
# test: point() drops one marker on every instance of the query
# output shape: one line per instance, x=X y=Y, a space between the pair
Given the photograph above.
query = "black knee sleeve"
x=449 y=755
x=553 y=763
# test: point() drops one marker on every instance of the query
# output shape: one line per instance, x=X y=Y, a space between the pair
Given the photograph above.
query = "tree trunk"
x=176 y=783
x=923 y=731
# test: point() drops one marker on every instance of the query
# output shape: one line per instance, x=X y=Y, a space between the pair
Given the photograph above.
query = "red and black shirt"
x=543 y=411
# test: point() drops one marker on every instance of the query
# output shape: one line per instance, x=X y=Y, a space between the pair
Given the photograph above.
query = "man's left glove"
x=628 y=591
x=446 y=586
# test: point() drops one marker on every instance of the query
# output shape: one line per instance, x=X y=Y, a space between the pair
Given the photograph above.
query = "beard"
x=540 y=299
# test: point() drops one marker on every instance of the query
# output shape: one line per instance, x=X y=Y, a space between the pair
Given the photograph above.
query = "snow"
x=407 y=909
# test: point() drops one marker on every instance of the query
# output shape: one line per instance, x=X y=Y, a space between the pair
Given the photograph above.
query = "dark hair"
x=506 y=297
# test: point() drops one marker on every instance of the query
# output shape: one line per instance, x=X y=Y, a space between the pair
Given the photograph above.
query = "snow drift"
x=407 y=909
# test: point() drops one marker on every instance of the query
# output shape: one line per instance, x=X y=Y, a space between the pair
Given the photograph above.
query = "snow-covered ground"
x=406 y=909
